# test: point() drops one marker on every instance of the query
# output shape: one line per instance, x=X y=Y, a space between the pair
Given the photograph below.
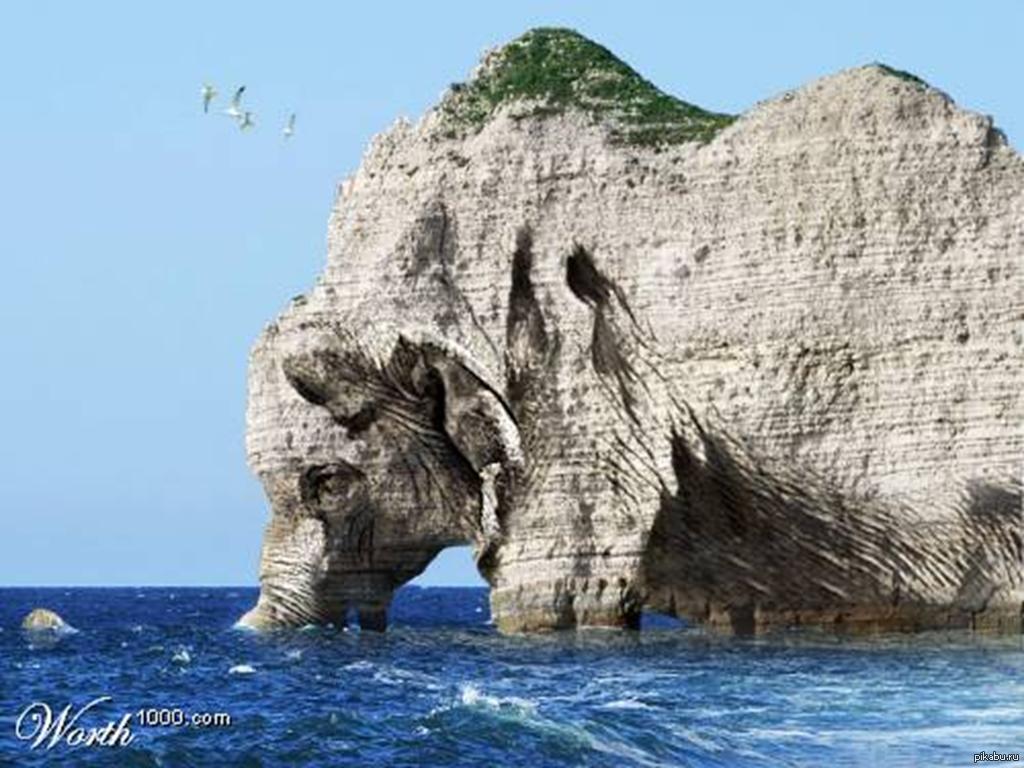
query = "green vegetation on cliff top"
x=901 y=74
x=558 y=69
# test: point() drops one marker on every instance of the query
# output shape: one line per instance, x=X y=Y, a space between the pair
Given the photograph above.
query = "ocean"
x=180 y=687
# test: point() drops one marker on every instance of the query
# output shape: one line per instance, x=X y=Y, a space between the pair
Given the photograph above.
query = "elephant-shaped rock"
x=759 y=372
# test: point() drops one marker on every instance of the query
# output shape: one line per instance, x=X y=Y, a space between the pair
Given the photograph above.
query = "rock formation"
x=43 y=620
x=758 y=371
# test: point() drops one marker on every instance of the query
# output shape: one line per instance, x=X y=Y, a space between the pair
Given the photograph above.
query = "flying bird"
x=208 y=93
x=289 y=129
x=246 y=121
x=234 y=109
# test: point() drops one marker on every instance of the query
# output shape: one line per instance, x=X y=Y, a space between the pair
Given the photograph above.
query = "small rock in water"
x=42 y=619
x=241 y=669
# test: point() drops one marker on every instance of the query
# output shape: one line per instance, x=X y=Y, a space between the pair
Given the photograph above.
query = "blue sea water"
x=442 y=688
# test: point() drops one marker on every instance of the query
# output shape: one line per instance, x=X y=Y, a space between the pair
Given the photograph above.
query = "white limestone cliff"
x=757 y=371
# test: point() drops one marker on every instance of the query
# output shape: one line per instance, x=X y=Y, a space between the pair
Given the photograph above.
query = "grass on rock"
x=554 y=70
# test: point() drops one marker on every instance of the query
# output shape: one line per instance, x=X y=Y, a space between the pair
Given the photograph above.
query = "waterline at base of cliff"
x=442 y=687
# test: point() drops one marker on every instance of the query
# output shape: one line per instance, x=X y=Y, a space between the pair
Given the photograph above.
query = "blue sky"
x=145 y=245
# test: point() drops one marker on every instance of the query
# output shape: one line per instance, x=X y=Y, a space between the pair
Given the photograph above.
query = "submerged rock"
x=42 y=619
x=758 y=371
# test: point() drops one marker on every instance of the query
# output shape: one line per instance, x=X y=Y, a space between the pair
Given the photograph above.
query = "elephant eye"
x=332 y=487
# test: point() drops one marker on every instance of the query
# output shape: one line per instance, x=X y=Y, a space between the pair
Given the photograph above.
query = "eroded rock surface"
x=759 y=371
x=43 y=619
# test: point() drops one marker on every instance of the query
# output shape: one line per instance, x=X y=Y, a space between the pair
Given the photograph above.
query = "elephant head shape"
x=436 y=454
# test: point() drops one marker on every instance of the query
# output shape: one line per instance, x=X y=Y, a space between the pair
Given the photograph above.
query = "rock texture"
x=759 y=371
x=43 y=619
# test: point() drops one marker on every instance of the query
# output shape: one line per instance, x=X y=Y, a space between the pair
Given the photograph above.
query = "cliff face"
x=757 y=370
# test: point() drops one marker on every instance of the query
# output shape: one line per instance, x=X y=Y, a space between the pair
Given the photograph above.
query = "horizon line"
x=203 y=586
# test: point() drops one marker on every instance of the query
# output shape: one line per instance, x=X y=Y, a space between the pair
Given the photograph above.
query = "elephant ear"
x=474 y=413
x=476 y=421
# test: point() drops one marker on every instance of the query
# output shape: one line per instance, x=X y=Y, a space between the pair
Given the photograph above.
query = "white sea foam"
x=358 y=666
x=293 y=655
x=471 y=696
x=181 y=656
x=398 y=676
x=241 y=669
x=774 y=735
x=626 y=704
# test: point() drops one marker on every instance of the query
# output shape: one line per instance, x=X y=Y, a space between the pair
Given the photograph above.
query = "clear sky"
x=144 y=245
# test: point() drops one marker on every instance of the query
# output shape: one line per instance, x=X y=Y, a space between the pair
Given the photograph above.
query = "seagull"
x=246 y=121
x=208 y=93
x=234 y=110
x=289 y=130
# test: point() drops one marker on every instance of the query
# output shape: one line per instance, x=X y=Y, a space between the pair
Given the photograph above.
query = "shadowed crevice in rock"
x=994 y=515
x=527 y=341
x=533 y=357
x=585 y=281
x=309 y=389
x=747 y=545
x=532 y=349
x=613 y=321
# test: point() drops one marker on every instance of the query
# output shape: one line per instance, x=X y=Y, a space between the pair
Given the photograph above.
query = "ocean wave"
x=471 y=696
x=440 y=696
x=398 y=676
x=703 y=741
x=626 y=704
x=359 y=666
